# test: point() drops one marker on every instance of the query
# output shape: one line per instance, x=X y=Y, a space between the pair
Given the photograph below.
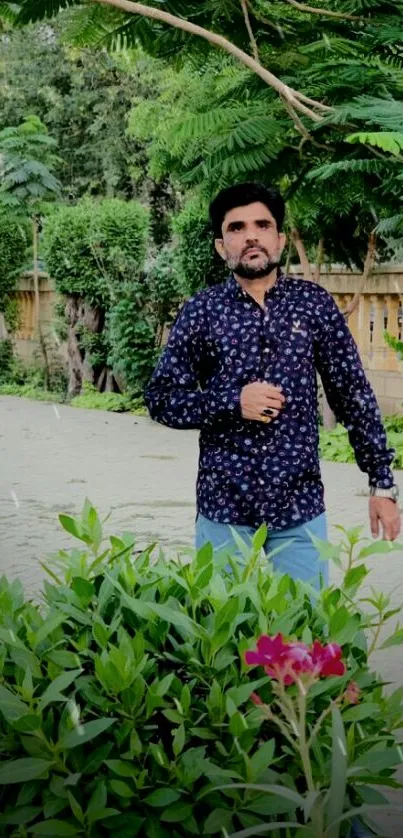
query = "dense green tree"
x=94 y=251
x=27 y=183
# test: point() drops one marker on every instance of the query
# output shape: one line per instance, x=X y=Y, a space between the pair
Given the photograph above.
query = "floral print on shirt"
x=250 y=472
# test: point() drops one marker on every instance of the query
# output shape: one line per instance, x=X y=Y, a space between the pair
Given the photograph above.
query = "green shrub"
x=13 y=245
x=6 y=360
x=92 y=399
x=94 y=247
x=198 y=264
x=132 y=337
x=335 y=446
x=125 y=699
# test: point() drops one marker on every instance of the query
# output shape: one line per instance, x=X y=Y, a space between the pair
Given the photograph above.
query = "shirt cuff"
x=224 y=402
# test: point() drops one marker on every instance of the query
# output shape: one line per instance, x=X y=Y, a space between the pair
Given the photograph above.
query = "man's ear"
x=219 y=246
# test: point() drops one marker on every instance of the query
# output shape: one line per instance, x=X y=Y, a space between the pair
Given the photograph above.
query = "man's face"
x=250 y=243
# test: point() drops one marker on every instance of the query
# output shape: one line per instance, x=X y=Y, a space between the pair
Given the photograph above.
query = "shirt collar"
x=236 y=292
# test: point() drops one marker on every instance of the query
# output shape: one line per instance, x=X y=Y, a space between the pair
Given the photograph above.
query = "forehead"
x=248 y=214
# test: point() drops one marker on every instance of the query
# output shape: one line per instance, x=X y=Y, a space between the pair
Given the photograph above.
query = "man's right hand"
x=261 y=401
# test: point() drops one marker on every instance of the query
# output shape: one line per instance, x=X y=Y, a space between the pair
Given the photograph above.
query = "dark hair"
x=242 y=194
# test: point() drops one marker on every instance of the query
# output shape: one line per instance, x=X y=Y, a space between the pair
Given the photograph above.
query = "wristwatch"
x=392 y=493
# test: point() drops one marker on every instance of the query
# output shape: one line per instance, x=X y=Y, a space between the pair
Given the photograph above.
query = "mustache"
x=254 y=247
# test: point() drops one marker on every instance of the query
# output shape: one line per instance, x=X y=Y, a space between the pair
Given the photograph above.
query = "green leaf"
x=53 y=828
x=11 y=705
x=362 y=711
x=48 y=626
x=376 y=760
x=241 y=694
x=23 y=770
x=98 y=800
x=204 y=556
x=379 y=548
x=76 y=808
x=389 y=141
x=73 y=527
x=84 y=733
x=121 y=789
x=121 y=767
x=218 y=820
x=101 y=814
x=27 y=724
x=261 y=760
x=395 y=639
x=53 y=691
x=348 y=629
x=20 y=816
x=259 y=538
x=162 y=797
x=66 y=660
x=337 y=792
x=83 y=588
x=177 y=813
x=179 y=740
x=176 y=618
x=355 y=576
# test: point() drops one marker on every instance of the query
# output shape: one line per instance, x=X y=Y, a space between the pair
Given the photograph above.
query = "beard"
x=248 y=270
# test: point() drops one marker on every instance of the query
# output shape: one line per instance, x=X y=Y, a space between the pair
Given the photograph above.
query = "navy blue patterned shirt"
x=251 y=472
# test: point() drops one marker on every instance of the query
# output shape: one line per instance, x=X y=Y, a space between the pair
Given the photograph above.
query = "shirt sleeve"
x=350 y=394
x=174 y=396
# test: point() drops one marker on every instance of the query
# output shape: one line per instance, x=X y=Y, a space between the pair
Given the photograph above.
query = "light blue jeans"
x=298 y=556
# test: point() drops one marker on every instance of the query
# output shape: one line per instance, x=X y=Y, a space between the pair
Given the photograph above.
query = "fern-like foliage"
x=390 y=142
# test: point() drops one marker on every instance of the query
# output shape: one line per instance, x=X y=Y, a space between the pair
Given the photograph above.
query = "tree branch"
x=255 y=51
x=295 y=98
x=368 y=267
x=324 y=12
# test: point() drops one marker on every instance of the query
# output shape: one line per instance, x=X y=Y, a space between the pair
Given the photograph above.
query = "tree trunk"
x=303 y=258
x=368 y=268
x=3 y=327
x=38 y=325
x=73 y=348
x=319 y=259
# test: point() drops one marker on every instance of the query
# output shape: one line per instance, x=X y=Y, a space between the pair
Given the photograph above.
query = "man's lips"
x=254 y=251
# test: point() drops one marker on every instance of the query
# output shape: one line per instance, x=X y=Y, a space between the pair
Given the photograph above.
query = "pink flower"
x=286 y=662
x=327 y=659
x=353 y=693
x=256 y=699
x=283 y=661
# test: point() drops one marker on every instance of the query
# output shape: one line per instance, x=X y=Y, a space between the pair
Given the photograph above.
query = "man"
x=240 y=365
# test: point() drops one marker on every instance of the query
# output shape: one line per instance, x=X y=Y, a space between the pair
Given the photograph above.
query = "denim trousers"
x=298 y=557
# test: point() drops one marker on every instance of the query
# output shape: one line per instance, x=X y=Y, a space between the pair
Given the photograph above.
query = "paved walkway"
x=51 y=458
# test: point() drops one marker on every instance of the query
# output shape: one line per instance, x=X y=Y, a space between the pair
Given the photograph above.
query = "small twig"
x=255 y=51
x=296 y=120
x=324 y=12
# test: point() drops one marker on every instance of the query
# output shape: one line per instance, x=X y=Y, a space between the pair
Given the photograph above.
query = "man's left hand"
x=385 y=513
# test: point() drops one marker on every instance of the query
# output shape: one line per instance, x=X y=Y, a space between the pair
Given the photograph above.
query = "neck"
x=257 y=288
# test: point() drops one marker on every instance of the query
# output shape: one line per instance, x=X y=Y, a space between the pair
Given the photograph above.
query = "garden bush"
x=127 y=706
x=197 y=262
x=335 y=446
